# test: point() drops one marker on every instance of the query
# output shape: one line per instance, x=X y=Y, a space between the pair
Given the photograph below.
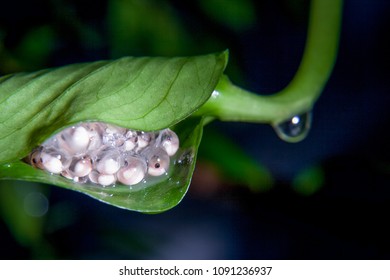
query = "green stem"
x=231 y=103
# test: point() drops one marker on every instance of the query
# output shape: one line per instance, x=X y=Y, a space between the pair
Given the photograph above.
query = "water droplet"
x=295 y=129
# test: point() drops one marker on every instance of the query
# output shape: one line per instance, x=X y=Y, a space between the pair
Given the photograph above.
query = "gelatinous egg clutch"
x=105 y=155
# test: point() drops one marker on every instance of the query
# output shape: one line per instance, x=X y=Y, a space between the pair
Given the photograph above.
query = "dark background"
x=341 y=213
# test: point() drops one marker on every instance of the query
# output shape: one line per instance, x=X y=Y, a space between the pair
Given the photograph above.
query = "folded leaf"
x=138 y=93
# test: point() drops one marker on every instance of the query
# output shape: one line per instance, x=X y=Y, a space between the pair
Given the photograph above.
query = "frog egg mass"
x=104 y=154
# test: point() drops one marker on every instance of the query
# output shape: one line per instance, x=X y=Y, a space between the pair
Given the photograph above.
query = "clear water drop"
x=294 y=129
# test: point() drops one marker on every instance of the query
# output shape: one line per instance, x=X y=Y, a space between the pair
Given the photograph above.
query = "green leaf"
x=138 y=93
x=157 y=195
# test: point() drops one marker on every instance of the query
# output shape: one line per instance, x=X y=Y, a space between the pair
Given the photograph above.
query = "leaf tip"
x=225 y=57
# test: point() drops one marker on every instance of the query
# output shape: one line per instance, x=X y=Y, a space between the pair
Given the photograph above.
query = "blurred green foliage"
x=36 y=46
x=238 y=15
x=234 y=164
x=23 y=207
x=309 y=181
x=137 y=27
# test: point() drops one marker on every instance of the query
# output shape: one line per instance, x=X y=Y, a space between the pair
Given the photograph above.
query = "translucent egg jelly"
x=105 y=154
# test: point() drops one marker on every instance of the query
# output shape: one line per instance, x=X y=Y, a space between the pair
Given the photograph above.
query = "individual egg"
x=131 y=140
x=106 y=179
x=157 y=160
x=54 y=160
x=129 y=145
x=101 y=179
x=108 y=162
x=80 y=167
x=169 y=141
x=52 y=163
x=133 y=171
x=144 y=139
x=74 y=140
